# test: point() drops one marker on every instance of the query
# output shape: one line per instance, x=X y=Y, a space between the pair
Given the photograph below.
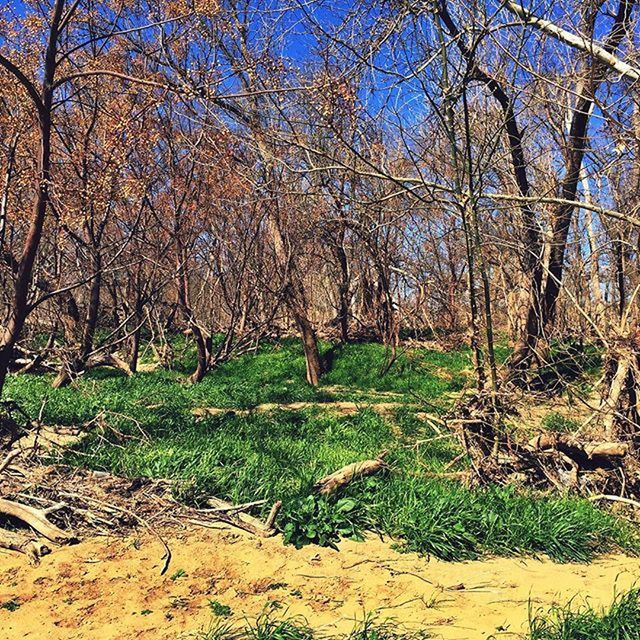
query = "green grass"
x=269 y=626
x=280 y=455
x=147 y=429
x=620 y=622
x=558 y=423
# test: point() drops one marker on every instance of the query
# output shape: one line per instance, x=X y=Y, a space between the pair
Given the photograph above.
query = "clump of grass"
x=10 y=605
x=620 y=622
x=558 y=423
x=268 y=626
x=452 y=522
x=373 y=628
x=219 y=609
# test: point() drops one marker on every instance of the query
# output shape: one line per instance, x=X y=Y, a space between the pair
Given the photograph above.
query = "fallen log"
x=342 y=477
x=33 y=549
x=569 y=445
x=36 y=520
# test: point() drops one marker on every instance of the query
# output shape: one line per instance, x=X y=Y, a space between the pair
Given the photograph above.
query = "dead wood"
x=36 y=520
x=623 y=500
x=31 y=547
x=273 y=514
x=576 y=450
x=342 y=477
x=14 y=453
x=244 y=521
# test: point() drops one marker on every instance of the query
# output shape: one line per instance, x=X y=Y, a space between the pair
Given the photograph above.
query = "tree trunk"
x=310 y=347
x=19 y=299
x=343 y=294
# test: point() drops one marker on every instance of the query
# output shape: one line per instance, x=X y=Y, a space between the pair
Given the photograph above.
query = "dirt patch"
x=341 y=408
x=110 y=588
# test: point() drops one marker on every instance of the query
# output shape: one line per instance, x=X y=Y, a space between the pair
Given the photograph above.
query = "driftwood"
x=231 y=514
x=36 y=520
x=32 y=548
x=342 y=477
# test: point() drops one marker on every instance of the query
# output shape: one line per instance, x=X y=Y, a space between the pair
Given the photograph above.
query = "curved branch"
x=24 y=81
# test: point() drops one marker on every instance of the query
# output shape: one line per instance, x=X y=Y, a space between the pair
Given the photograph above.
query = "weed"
x=10 y=605
x=219 y=609
x=620 y=622
x=180 y=573
x=319 y=521
x=373 y=628
x=268 y=627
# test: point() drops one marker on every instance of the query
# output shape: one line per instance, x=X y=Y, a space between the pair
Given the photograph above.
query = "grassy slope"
x=278 y=455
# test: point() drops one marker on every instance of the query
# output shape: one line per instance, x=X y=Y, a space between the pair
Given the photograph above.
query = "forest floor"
x=456 y=561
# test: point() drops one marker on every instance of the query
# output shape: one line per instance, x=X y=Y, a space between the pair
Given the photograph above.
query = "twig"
x=629 y=501
x=234 y=507
x=9 y=457
x=273 y=514
x=167 y=555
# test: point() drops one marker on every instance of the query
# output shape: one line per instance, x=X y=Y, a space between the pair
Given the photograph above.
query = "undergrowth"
x=145 y=427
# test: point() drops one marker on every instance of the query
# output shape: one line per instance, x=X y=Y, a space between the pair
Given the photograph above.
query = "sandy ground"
x=111 y=588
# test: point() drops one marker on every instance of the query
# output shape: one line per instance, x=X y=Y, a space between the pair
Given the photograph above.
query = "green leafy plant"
x=316 y=520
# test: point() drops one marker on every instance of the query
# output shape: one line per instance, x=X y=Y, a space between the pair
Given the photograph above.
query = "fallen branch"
x=572 y=447
x=14 y=453
x=224 y=510
x=629 y=501
x=114 y=509
x=273 y=514
x=235 y=507
x=342 y=477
